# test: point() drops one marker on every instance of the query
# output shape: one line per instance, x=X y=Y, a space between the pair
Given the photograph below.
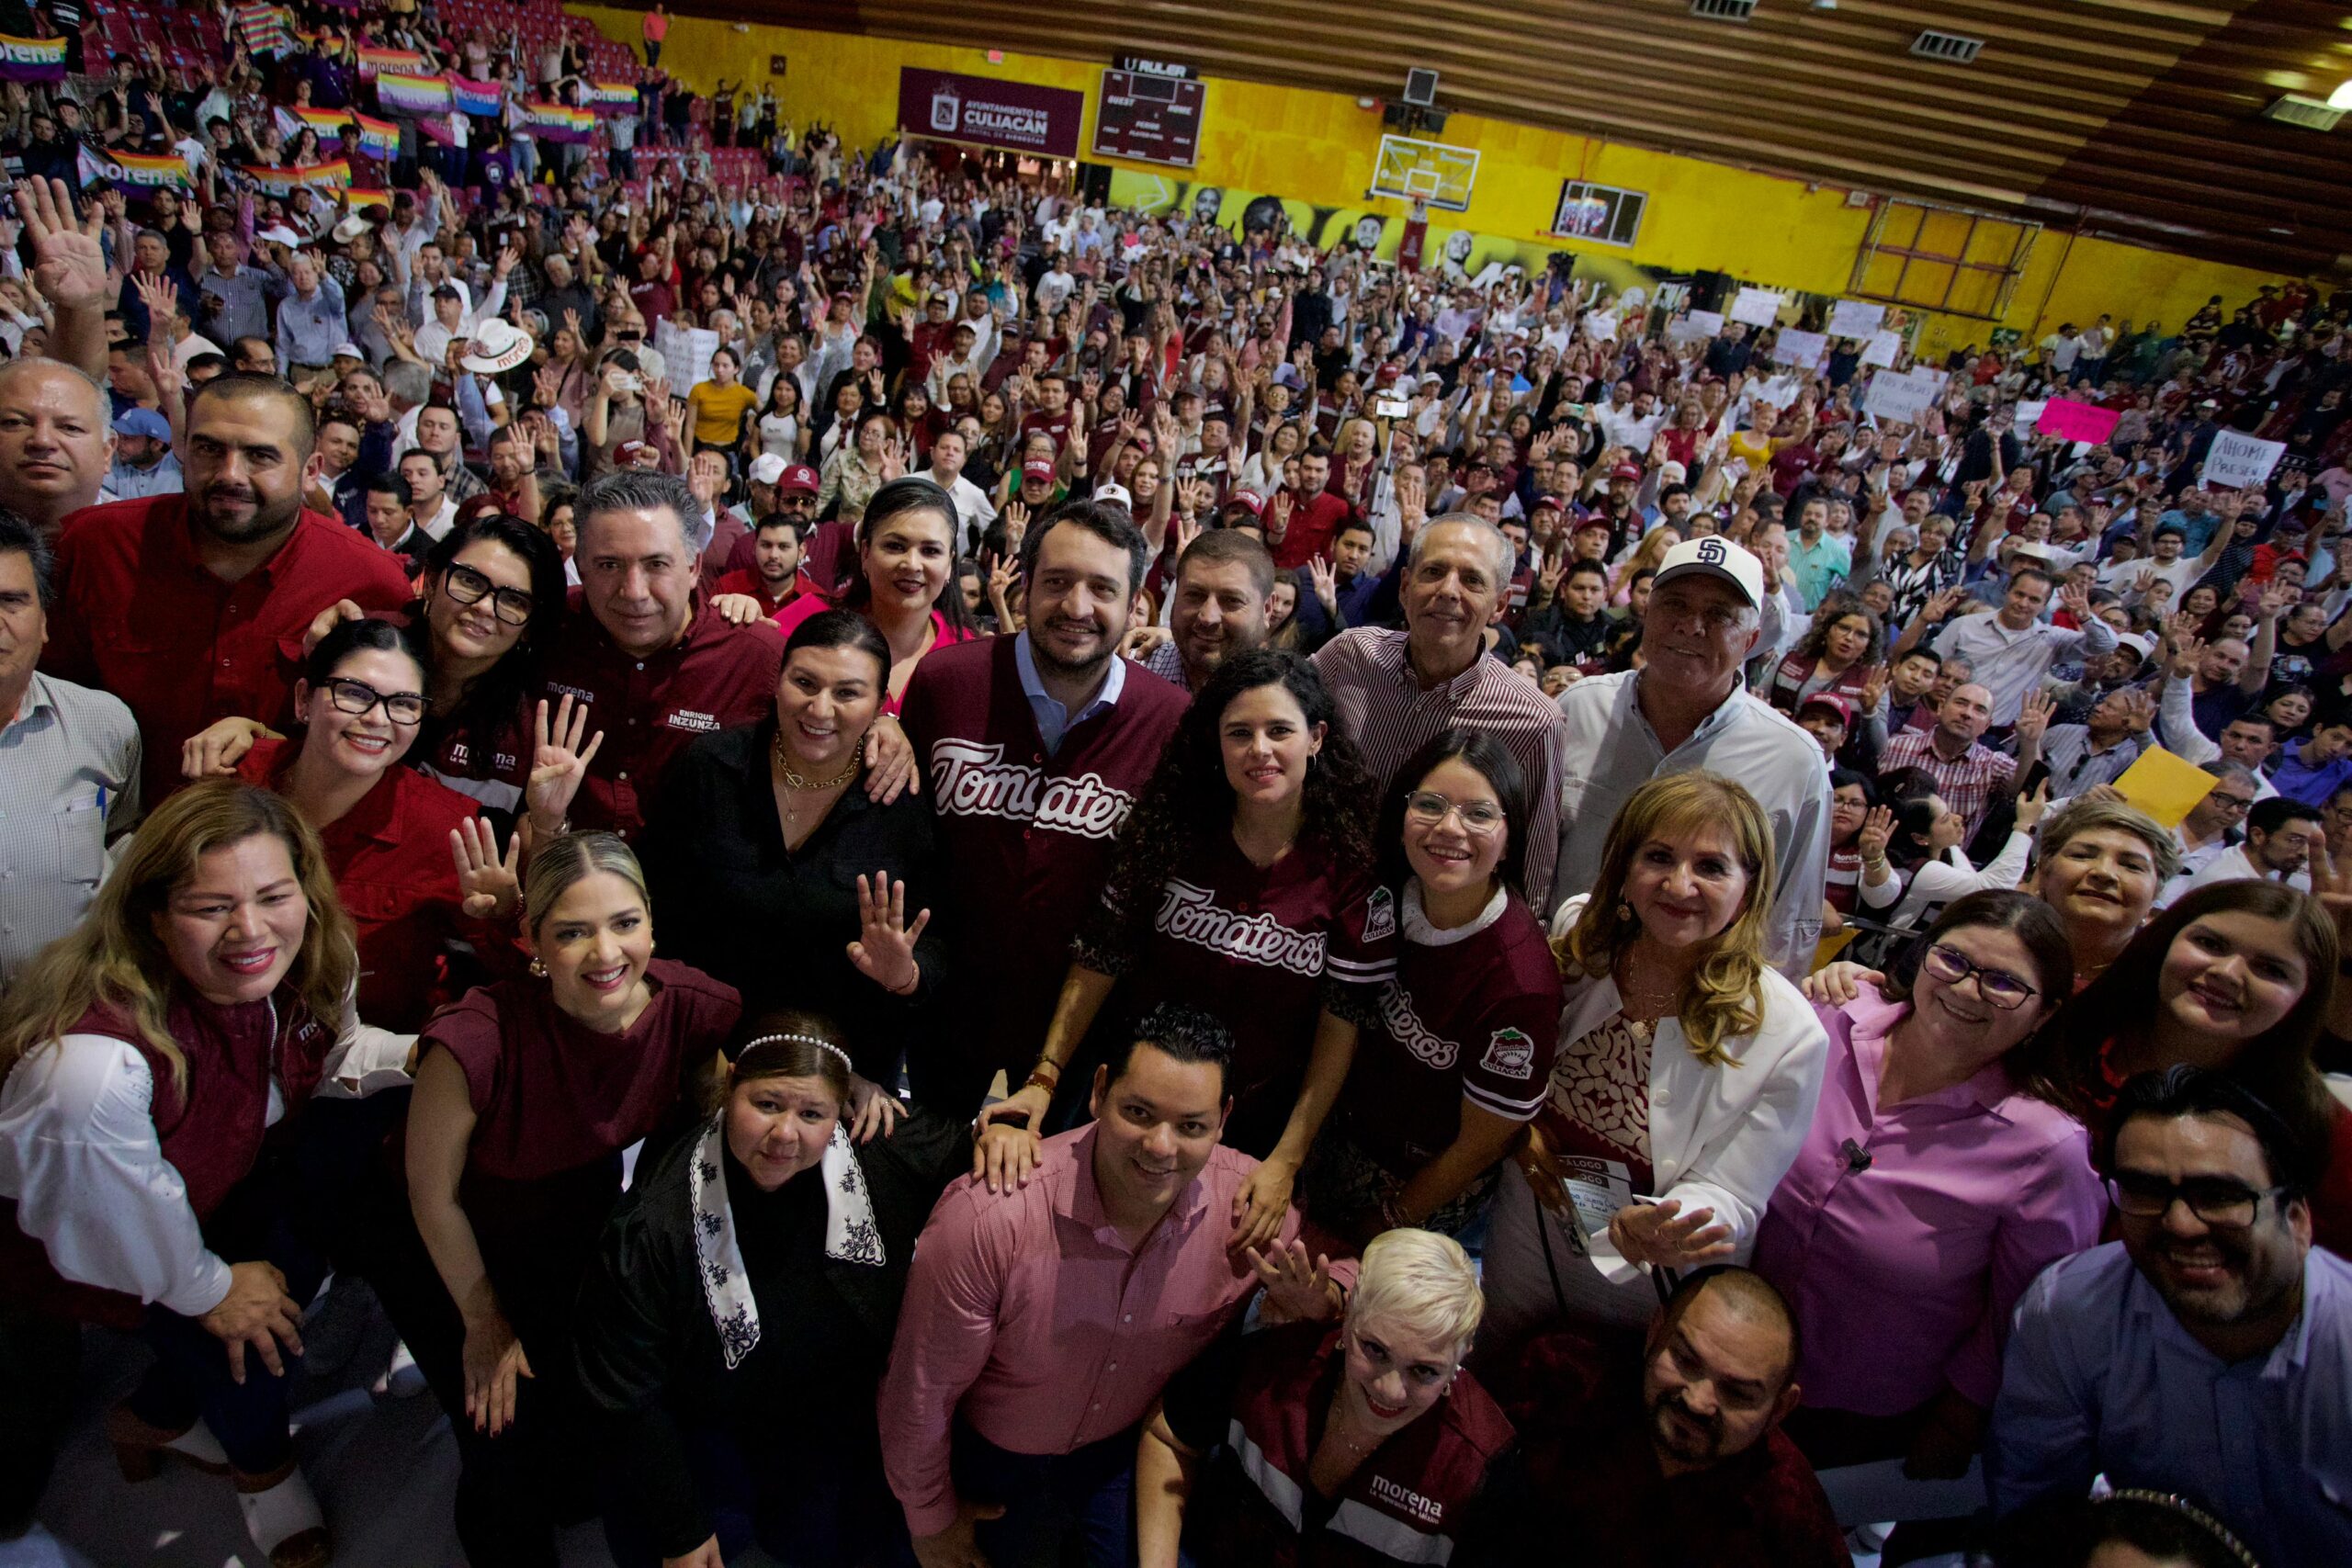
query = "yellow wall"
x=1319 y=147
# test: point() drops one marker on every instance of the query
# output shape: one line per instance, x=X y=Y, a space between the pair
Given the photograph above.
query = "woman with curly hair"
x=1687 y=1067
x=1838 y=656
x=1244 y=878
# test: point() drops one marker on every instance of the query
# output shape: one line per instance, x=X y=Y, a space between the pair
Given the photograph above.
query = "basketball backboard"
x=1412 y=170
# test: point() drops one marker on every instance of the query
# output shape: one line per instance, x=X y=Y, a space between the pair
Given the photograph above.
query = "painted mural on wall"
x=1458 y=252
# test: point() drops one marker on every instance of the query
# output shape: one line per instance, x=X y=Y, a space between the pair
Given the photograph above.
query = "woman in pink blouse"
x=1930 y=1190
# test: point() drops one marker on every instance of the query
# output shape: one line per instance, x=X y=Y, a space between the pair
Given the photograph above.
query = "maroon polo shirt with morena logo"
x=1025 y=836
x=651 y=709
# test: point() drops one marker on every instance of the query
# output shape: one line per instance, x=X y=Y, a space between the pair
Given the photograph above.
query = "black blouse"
x=650 y=1355
x=776 y=924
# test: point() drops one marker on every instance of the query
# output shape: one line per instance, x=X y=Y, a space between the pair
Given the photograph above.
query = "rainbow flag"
x=375 y=62
x=609 y=98
x=557 y=122
x=135 y=170
x=474 y=98
x=328 y=123
x=400 y=93
x=263 y=28
x=359 y=200
x=32 y=59
x=318 y=177
x=378 y=138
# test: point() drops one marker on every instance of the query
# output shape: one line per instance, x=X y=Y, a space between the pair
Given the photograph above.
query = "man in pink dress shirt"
x=1040 y=1324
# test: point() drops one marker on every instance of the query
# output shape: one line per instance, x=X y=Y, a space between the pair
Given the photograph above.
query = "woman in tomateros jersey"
x=1455 y=1063
x=1244 y=883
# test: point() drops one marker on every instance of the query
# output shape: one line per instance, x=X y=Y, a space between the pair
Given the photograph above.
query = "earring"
x=539 y=969
x=1625 y=912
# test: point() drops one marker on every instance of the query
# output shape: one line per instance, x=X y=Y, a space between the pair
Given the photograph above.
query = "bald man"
x=56 y=441
x=1673 y=1456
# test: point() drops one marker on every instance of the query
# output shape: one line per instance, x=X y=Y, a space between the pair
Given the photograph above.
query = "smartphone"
x=1391 y=407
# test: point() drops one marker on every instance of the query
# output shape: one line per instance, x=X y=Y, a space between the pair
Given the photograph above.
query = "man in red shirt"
x=656 y=665
x=191 y=607
x=773 y=577
x=1300 y=524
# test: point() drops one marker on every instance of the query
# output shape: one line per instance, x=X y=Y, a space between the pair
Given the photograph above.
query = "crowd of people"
x=1308 y=912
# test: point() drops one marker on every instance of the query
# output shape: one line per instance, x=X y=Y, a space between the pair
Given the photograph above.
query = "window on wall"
x=1943 y=258
x=1604 y=213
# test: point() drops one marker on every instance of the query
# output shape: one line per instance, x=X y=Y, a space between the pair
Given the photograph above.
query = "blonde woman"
x=1341 y=1421
x=1646 y=558
x=1686 y=1074
x=204 y=997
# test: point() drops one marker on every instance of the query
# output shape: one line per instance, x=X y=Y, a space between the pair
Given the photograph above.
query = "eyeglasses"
x=1430 y=808
x=467 y=586
x=2216 y=1199
x=358 y=697
x=1998 y=986
x=2233 y=803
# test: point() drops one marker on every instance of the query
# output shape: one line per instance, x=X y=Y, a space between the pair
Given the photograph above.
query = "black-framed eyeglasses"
x=1428 y=806
x=468 y=586
x=358 y=697
x=2216 y=1200
x=1998 y=986
x=2232 y=803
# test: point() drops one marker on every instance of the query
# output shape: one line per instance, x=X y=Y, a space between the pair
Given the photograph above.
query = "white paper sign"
x=1905 y=399
x=1781 y=392
x=686 y=351
x=1682 y=330
x=2029 y=415
x=1601 y=326
x=1853 y=318
x=1706 y=323
x=2236 y=460
x=1883 y=348
x=1757 y=307
x=1801 y=349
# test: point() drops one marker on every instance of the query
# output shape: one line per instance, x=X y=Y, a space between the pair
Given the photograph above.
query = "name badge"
x=1598 y=1188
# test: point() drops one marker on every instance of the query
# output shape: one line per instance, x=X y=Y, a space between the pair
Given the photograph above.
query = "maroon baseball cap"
x=1834 y=702
x=798 y=479
x=1036 y=470
x=1551 y=501
x=1249 y=501
x=1625 y=471
x=1387 y=375
x=627 y=452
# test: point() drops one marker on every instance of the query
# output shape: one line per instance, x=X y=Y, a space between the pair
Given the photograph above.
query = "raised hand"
x=1297 y=1285
x=2034 y=714
x=69 y=261
x=2030 y=809
x=1325 y=578
x=558 y=763
x=1878 y=829
x=488 y=880
x=885 y=949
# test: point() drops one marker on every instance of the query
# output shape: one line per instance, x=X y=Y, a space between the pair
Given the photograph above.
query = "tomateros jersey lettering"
x=1192 y=914
x=969 y=778
x=1407 y=1028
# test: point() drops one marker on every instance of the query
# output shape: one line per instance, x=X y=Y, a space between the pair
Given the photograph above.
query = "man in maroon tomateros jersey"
x=656 y=665
x=1032 y=748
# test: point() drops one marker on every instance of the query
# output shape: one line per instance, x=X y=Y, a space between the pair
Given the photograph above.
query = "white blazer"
x=1721 y=1137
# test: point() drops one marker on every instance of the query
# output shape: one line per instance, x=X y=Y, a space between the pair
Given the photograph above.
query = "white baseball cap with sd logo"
x=1716 y=557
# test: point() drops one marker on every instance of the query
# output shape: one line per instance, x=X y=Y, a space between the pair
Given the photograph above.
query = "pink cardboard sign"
x=2070 y=420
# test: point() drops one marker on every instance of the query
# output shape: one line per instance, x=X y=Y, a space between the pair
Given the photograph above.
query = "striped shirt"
x=1384 y=707
x=1966 y=782
x=2008 y=663
x=2075 y=765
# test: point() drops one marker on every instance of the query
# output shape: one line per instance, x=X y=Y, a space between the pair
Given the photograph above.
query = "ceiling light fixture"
x=2340 y=99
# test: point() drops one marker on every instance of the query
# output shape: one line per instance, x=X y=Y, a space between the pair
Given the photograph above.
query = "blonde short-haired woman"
x=1369 y=1430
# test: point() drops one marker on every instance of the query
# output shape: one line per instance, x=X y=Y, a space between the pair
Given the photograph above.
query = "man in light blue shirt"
x=2209 y=1353
x=309 y=322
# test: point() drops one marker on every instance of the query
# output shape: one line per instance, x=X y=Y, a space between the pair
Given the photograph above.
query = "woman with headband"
x=756 y=1269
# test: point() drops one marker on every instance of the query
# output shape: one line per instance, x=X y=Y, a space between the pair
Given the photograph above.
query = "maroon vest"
x=211 y=1132
x=1404 y=1504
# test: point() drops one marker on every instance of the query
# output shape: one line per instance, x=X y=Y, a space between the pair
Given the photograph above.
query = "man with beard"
x=1033 y=748
x=183 y=605
x=2209 y=1352
x=1217 y=608
x=1686 y=1464
x=56 y=441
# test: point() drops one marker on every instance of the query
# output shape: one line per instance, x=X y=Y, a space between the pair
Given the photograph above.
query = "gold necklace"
x=794 y=780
